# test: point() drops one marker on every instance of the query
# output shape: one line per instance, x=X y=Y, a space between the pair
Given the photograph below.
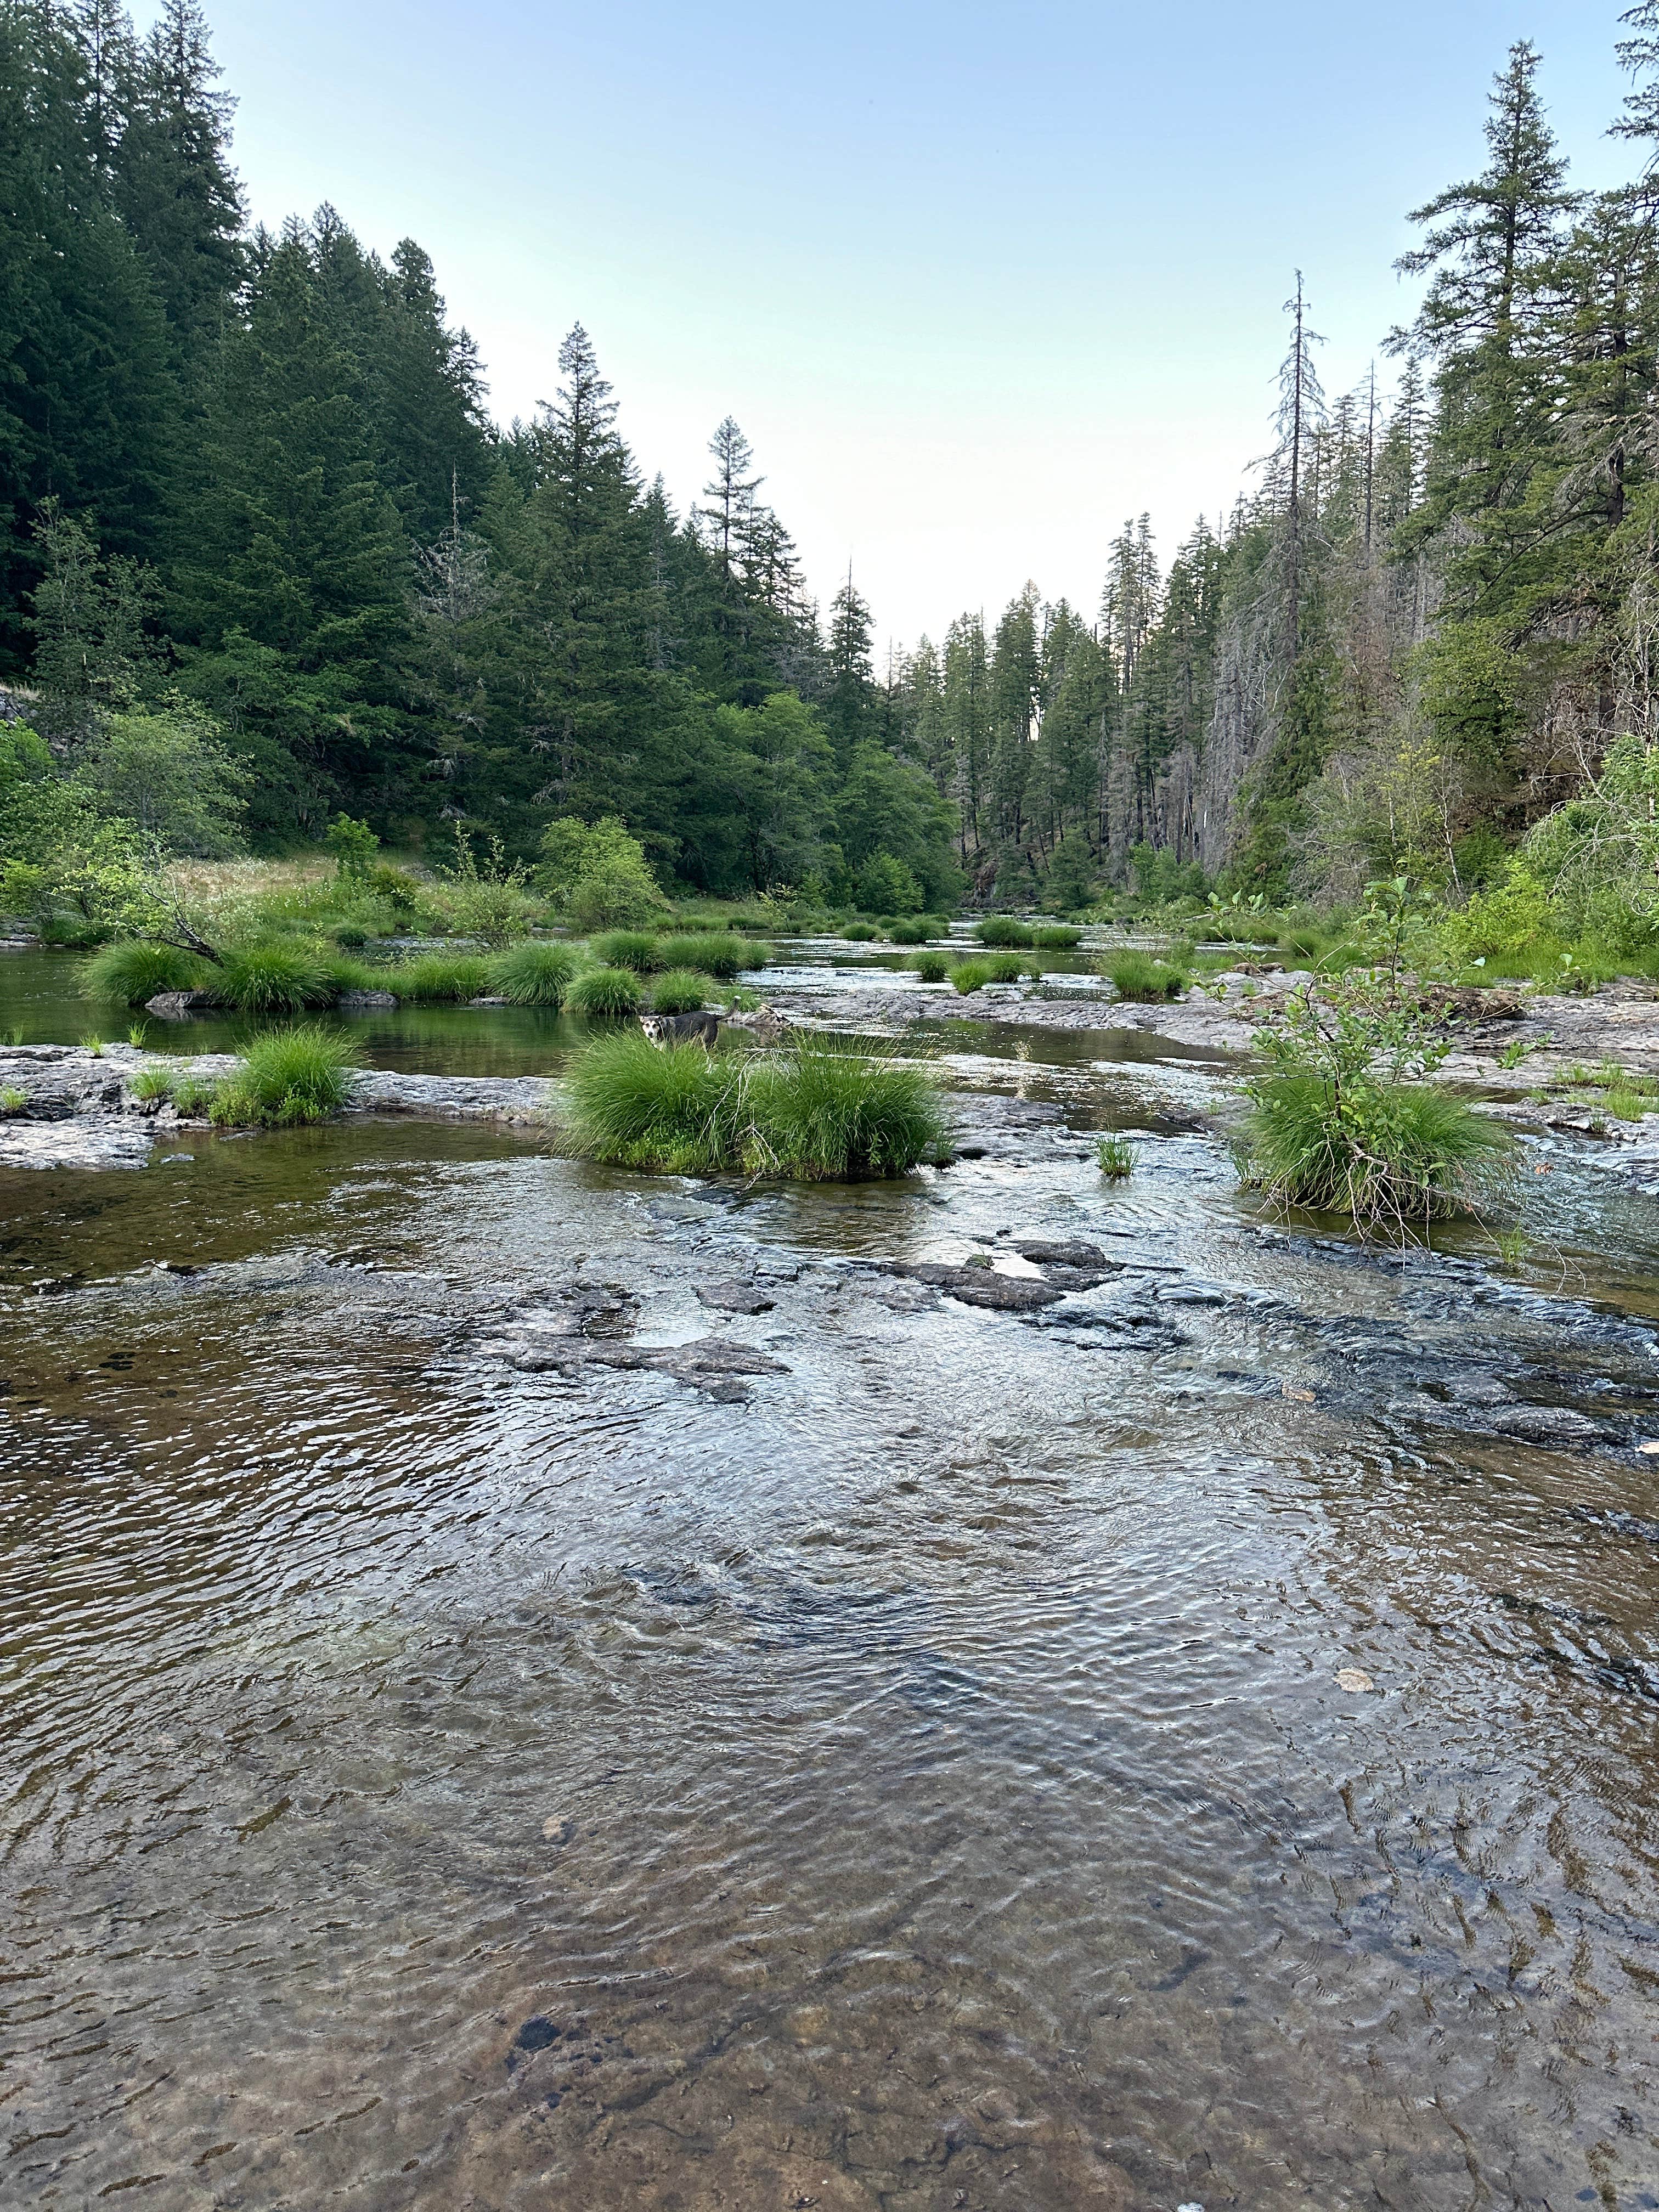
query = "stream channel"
x=1191 y=1744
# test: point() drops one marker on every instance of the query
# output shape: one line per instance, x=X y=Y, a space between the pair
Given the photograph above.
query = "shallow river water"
x=915 y=1775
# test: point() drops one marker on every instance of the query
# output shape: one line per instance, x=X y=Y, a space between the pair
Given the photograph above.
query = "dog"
x=665 y=1030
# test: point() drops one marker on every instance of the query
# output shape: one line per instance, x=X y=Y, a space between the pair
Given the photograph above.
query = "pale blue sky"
x=978 y=280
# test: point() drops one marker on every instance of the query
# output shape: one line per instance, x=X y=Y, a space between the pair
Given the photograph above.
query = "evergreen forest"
x=260 y=534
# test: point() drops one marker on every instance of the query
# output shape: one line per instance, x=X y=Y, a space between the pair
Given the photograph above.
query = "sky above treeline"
x=978 y=281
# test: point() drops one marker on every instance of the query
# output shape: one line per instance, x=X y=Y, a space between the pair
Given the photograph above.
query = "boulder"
x=177 y=1005
x=362 y=1002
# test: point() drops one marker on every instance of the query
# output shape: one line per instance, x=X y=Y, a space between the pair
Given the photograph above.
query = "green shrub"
x=1053 y=938
x=720 y=954
x=637 y=949
x=1136 y=974
x=271 y=979
x=932 y=967
x=970 y=976
x=1117 y=1155
x=914 y=930
x=814 y=1113
x=860 y=932
x=534 y=975
x=605 y=991
x=287 y=1077
x=681 y=991
x=437 y=978
x=132 y=973
x=1001 y=930
x=154 y=1079
x=1390 y=1154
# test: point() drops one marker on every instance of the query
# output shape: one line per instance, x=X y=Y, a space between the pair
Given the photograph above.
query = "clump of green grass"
x=910 y=929
x=860 y=932
x=534 y=975
x=720 y=953
x=193 y=1095
x=1117 y=1155
x=132 y=973
x=437 y=978
x=1006 y=968
x=817 y=1113
x=680 y=991
x=1136 y=974
x=1624 y=1104
x=638 y=949
x=932 y=967
x=272 y=979
x=606 y=991
x=1390 y=1154
x=154 y=1080
x=1001 y=930
x=287 y=1077
x=970 y=976
x=12 y=1100
x=94 y=1044
x=1056 y=938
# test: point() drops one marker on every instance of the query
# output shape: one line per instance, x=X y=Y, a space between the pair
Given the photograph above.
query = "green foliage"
x=272 y=979
x=637 y=949
x=193 y=1096
x=597 y=875
x=932 y=967
x=600 y=991
x=12 y=1100
x=1001 y=930
x=1162 y=879
x=354 y=846
x=154 y=1080
x=681 y=991
x=860 y=932
x=131 y=973
x=1005 y=967
x=814 y=1113
x=533 y=975
x=168 y=773
x=287 y=1077
x=1136 y=974
x=886 y=886
x=970 y=976
x=914 y=930
x=1117 y=1155
x=486 y=900
x=1051 y=938
x=720 y=954
x=438 y=978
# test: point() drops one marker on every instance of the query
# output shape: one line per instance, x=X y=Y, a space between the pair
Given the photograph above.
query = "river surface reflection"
x=919 y=1778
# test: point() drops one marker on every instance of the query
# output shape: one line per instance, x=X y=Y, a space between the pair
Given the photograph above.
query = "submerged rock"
x=982 y=1286
x=734 y=1297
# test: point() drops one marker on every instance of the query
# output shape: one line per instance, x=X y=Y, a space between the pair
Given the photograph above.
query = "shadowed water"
x=923 y=1782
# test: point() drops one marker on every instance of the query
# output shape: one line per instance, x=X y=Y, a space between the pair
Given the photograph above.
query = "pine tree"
x=848 y=700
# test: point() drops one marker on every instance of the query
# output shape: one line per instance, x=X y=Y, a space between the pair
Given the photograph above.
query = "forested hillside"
x=250 y=491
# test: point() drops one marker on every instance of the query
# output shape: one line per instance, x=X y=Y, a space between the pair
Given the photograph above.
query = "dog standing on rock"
x=766 y=1025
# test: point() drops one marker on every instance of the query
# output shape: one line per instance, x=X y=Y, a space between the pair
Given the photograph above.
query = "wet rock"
x=709 y=1364
x=981 y=1287
x=1545 y=1425
x=1059 y=1252
x=363 y=1002
x=177 y=1005
x=908 y=1297
x=734 y=1297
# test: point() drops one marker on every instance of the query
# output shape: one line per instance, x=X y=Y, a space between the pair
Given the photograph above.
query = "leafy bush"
x=437 y=978
x=486 y=900
x=970 y=976
x=1001 y=930
x=1117 y=1155
x=1053 y=937
x=638 y=949
x=681 y=991
x=598 y=875
x=720 y=954
x=886 y=886
x=1135 y=974
x=605 y=991
x=287 y=1077
x=132 y=973
x=815 y=1113
x=932 y=967
x=531 y=975
x=271 y=979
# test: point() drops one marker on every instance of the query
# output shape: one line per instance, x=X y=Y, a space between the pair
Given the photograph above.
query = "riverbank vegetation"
x=816 y=1112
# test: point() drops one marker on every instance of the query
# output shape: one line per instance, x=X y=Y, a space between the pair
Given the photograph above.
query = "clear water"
x=429 y=1783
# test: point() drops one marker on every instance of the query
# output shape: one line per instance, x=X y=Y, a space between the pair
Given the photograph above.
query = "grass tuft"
x=681 y=991
x=932 y=967
x=154 y=1079
x=1392 y=1155
x=860 y=932
x=817 y=1112
x=720 y=953
x=1002 y=930
x=1055 y=936
x=272 y=979
x=911 y=929
x=532 y=975
x=1117 y=1155
x=1136 y=974
x=637 y=949
x=606 y=991
x=132 y=973
x=1007 y=968
x=287 y=1077
x=434 y=979
x=970 y=976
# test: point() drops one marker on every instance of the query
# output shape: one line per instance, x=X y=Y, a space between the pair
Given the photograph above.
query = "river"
x=1197 y=1748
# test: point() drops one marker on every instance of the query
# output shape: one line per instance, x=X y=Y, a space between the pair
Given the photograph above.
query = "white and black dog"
x=681 y=1028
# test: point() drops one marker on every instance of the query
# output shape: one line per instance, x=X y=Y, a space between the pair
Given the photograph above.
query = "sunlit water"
x=926 y=1784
